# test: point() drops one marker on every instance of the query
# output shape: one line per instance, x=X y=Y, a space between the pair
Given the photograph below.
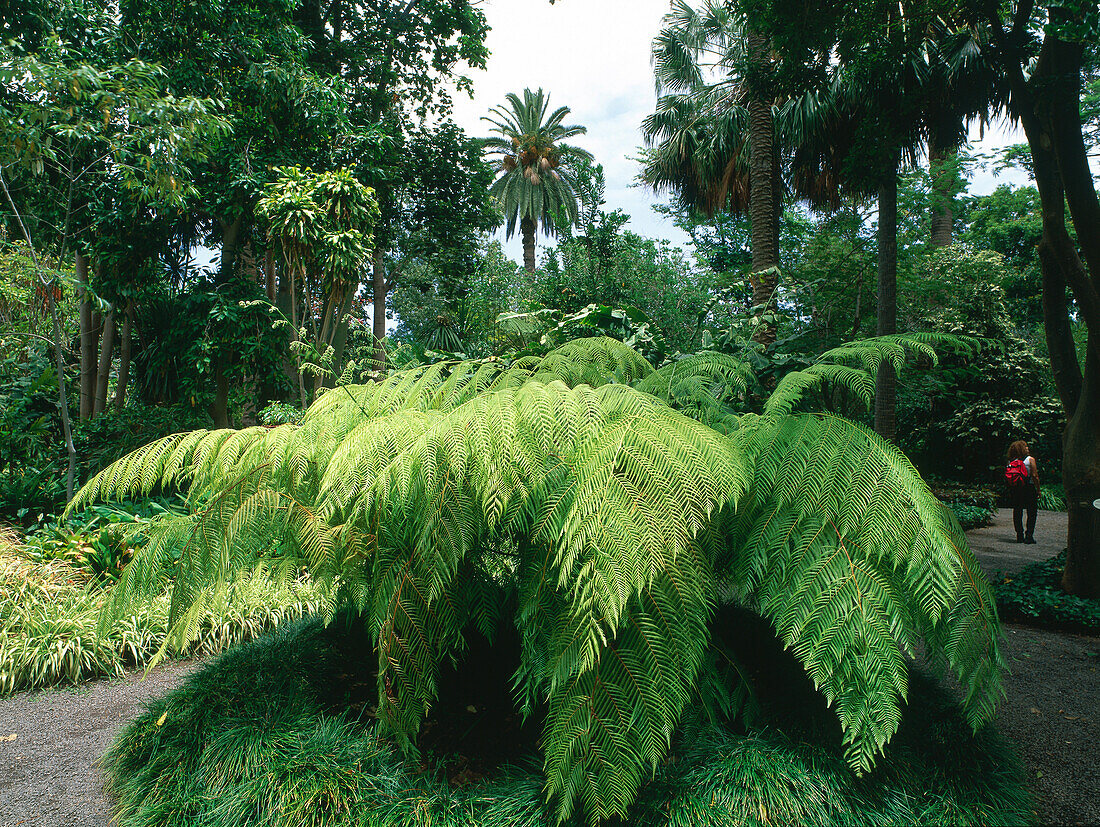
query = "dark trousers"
x=1024 y=496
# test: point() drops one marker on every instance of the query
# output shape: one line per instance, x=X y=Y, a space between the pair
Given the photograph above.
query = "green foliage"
x=265 y=735
x=971 y=516
x=1034 y=595
x=30 y=435
x=973 y=506
x=279 y=413
x=433 y=499
x=50 y=630
x=622 y=269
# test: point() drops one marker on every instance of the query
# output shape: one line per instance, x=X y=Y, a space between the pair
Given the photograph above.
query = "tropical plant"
x=578 y=489
x=537 y=185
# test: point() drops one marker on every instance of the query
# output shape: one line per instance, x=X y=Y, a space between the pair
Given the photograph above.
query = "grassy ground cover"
x=49 y=622
x=280 y=732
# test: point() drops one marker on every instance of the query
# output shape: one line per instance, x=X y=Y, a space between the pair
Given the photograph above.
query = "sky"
x=594 y=57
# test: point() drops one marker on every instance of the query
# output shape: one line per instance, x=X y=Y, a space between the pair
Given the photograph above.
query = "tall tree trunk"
x=106 y=356
x=124 y=358
x=886 y=382
x=89 y=343
x=231 y=240
x=1047 y=102
x=378 y=307
x=941 y=161
x=1081 y=473
x=340 y=335
x=763 y=198
x=527 y=231
x=219 y=409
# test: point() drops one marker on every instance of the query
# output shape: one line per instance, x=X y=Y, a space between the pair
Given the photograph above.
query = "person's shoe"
x=1019 y=538
x=1029 y=540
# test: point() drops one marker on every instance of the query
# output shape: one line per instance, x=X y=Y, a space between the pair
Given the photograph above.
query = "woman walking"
x=1022 y=474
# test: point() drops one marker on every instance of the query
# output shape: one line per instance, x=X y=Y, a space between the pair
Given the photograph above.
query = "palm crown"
x=605 y=508
x=536 y=185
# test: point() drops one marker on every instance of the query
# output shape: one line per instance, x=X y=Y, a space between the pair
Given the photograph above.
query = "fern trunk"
x=527 y=229
x=886 y=383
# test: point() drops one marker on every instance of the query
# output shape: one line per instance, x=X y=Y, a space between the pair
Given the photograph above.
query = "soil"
x=49 y=775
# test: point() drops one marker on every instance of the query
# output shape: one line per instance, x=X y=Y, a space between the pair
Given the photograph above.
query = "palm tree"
x=537 y=184
x=716 y=143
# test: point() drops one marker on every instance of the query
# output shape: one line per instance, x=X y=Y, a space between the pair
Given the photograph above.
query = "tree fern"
x=610 y=505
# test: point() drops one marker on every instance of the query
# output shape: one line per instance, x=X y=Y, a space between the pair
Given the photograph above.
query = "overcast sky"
x=594 y=57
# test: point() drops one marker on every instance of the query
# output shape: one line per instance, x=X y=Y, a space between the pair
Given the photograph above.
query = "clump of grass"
x=49 y=617
x=269 y=735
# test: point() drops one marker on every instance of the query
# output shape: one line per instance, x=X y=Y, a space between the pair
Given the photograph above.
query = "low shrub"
x=971 y=516
x=1034 y=595
x=49 y=618
x=272 y=733
x=974 y=505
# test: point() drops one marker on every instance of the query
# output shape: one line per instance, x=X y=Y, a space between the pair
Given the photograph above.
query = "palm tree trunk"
x=886 y=383
x=763 y=200
x=943 y=216
x=527 y=229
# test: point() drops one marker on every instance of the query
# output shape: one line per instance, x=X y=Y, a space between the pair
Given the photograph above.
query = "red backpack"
x=1016 y=473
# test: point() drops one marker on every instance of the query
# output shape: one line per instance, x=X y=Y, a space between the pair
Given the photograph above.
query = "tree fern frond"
x=843 y=547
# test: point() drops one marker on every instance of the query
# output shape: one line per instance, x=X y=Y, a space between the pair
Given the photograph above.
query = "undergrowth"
x=271 y=734
x=1034 y=595
x=50 y=615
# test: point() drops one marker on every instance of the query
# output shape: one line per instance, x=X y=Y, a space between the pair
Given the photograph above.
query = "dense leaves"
x=613 y=520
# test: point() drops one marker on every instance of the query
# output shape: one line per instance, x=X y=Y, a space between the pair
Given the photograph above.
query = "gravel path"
x=49 y=776
x=48 y=773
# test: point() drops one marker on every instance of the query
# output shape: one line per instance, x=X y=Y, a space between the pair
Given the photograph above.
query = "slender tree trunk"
x=340 y=336
x=219 y=409
x=106 y=356
x=378 y=307
x=763 y=199
x=231 y=239
x=886 y=382
x=59 y=356
x=124 y=359
x=527 y=231
x=88 y=343
x=941 y=163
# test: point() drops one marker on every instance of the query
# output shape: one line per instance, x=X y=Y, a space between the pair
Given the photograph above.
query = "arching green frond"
x=843 y=547
x=853 y=366
x=701 y=385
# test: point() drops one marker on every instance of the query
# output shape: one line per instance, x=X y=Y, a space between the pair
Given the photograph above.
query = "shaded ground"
x=49 y=777
x=1050 y=709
